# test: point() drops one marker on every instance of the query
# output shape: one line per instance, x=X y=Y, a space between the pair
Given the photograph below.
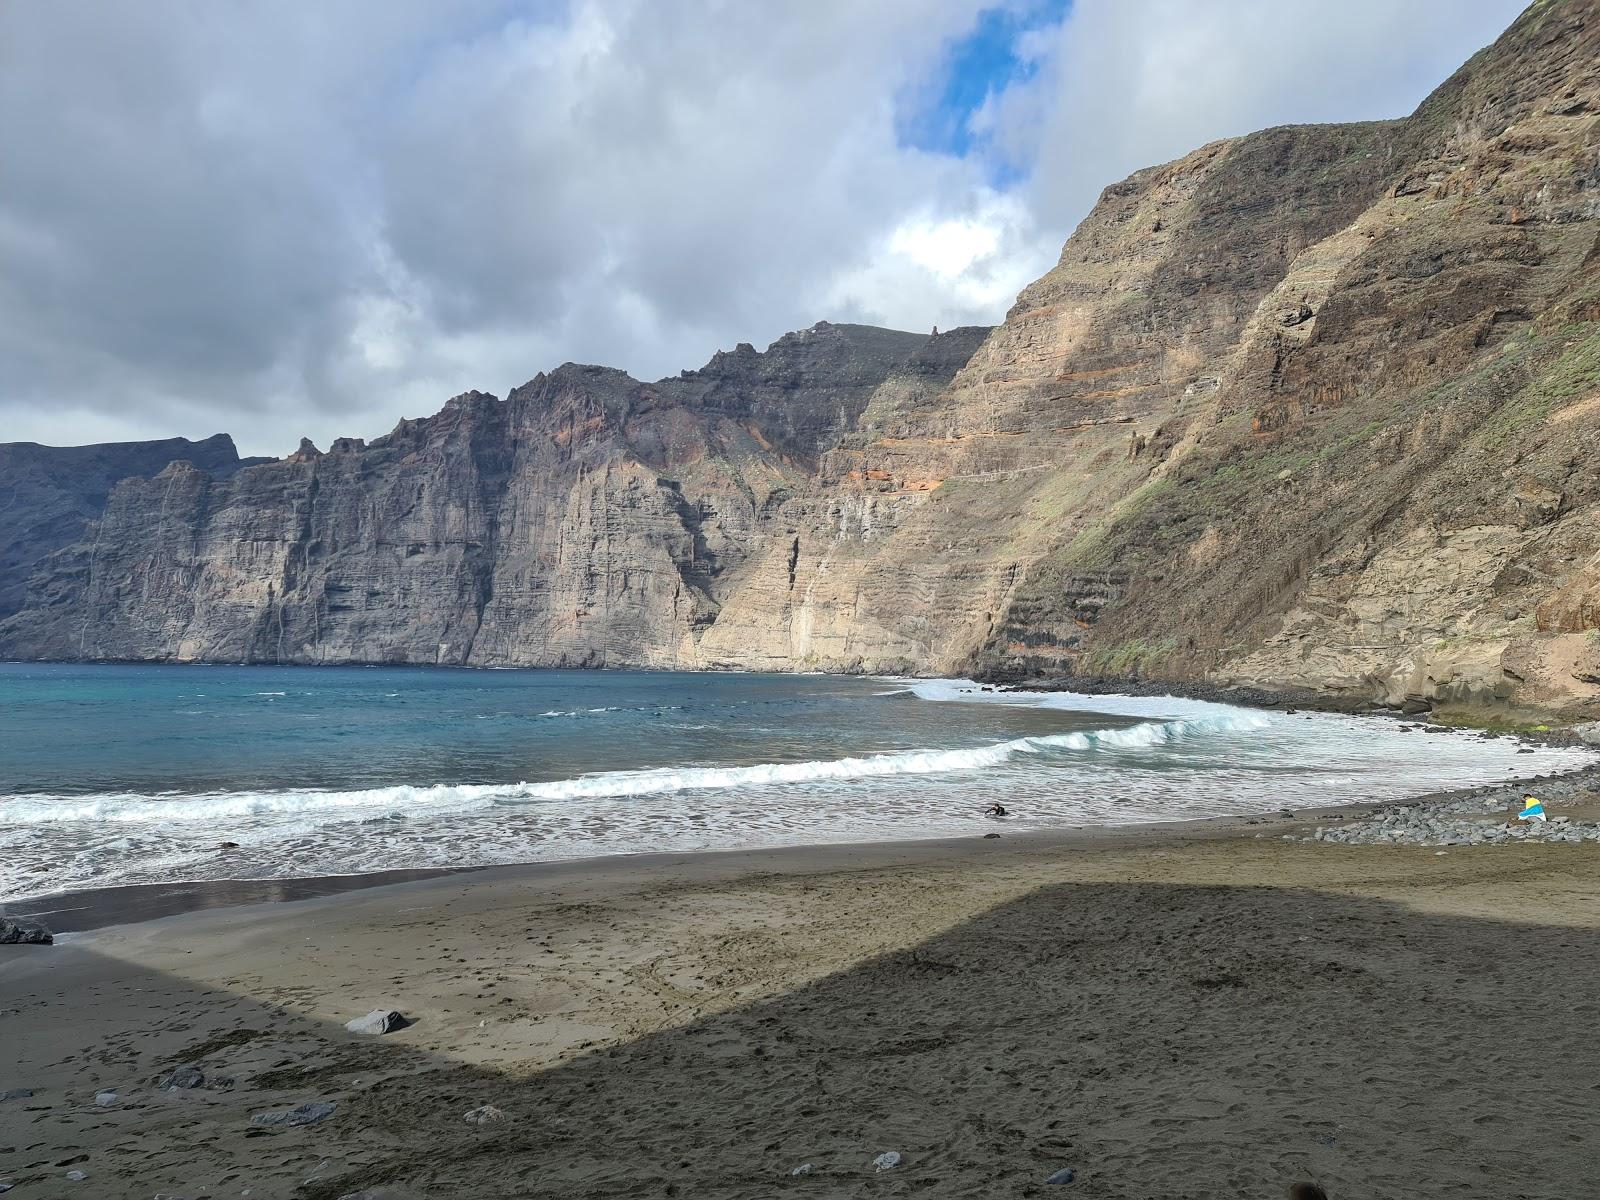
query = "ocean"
x=116 y=775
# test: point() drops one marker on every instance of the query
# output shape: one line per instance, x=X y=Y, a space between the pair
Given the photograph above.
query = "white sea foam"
x=135 y=808
x=583 y=712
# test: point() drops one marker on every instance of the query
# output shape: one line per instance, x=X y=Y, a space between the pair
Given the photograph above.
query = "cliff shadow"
x=1160 y=1040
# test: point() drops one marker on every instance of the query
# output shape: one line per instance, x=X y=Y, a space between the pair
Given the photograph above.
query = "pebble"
x=17 y=1094
x=488 y=1114
x=77 y=1176
x=887 y=1161
x=1459 y=820
x=6 y=1185
x=184 y=1077
x=306 y=1114
x=1065 y=1175
x=379 y=1020
x=105 y=1099
x=802 y=1169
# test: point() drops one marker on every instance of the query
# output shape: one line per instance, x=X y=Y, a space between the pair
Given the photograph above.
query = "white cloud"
x=286 y=219
x=935 y=268
x=1124 y=84
x=945 y=247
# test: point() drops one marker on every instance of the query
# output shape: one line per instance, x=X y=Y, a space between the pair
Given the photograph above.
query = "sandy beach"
x=1210 y=1010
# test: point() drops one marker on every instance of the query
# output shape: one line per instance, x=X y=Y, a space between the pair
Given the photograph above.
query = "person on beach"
x=996 y=810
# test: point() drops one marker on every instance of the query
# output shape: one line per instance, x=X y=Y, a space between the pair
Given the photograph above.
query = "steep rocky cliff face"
x=1315 y=407
x=1388 y=485
x=50 y=494
x=586 y=520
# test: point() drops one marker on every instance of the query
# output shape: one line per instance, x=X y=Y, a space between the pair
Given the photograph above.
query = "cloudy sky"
x=282 y=218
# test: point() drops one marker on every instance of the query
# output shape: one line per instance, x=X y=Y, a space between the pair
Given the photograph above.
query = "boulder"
x=12 y=934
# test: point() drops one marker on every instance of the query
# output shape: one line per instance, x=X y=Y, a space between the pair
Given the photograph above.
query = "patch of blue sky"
x=937 y=116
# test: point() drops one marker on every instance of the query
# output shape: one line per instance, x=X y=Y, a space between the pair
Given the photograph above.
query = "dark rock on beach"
x=306 y=1114
x=12 y=934
x=378 y=1021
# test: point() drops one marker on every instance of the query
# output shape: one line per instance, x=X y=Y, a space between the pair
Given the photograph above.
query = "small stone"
x=802 y=1169
x=6 y=1185
x=105 y=1099
x=77 y=1176
x=1065 y=1175
x=185 y=1077
x=17 y=1094
x=488 y=1114
x=887 y=1161
x=379 y=1020
x=988 y=836
x=306 y=1114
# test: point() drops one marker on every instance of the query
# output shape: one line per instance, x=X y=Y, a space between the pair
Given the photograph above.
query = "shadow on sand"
x=1163 y=1041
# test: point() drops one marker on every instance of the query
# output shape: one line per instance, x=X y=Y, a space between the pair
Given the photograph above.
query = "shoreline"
x=89 y=909
x=193 y=897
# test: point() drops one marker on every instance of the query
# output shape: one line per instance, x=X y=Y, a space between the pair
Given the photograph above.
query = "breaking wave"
x=134 y=808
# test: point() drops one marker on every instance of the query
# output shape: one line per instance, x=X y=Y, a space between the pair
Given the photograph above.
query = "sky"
x=280 y=220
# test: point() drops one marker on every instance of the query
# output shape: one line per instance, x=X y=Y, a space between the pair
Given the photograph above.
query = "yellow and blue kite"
x=1532 y=809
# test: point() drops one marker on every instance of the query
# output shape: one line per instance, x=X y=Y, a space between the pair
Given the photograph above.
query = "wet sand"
x=1195 y=1011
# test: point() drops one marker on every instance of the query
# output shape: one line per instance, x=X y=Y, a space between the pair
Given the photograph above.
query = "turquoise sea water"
x=130 y=774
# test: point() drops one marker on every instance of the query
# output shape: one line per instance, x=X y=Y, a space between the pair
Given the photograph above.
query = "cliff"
x=1315 y=407
x=50 y=494
x=586 y=520
x=1387 y=483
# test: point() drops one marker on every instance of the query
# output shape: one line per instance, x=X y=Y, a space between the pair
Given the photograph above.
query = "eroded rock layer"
x=1389 y=487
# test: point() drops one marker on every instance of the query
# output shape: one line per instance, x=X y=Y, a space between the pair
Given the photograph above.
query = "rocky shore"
x=1481 y=817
